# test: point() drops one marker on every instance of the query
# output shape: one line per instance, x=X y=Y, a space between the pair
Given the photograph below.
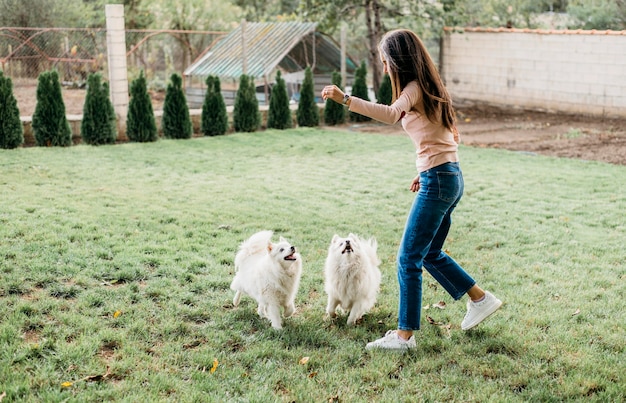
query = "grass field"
x=116 y=261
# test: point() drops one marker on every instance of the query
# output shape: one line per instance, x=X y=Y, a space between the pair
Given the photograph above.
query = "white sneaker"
x=392 y=341
x=479 y=311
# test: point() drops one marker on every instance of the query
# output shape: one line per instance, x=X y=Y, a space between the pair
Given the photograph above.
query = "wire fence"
x=77 y=52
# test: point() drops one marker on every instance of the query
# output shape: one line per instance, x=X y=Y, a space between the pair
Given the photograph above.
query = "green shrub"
x=279 y=114
x=140 y=125
x=214 y=120
x=176 y=119
x=334 y=113
x=99 y=123
x=308 y=113
x=11 y=129
x=359 y=90
x=246 y=116
x=50 y=124
x=384 y=91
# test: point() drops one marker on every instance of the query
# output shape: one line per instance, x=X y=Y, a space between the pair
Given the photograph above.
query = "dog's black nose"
x=293 y=249
x=347 y=242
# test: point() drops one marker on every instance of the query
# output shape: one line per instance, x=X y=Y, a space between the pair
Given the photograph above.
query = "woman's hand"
x=332 y=92
x=415 y=184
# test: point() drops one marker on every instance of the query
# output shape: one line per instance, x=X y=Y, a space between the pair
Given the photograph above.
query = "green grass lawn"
x=116 y=261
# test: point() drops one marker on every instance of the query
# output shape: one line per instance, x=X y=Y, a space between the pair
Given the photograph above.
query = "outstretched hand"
x=332 y=92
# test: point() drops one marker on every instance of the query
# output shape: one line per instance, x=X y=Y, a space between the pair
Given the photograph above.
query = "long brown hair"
x=408 y=60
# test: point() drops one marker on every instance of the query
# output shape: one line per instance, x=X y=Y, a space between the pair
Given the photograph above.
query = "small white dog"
x=352 y=277
x=269 y=273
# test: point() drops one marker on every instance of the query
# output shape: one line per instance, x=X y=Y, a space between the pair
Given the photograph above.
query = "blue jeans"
x=426 y=230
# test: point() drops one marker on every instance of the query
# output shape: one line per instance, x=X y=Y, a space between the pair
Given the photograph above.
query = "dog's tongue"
x=290 y=257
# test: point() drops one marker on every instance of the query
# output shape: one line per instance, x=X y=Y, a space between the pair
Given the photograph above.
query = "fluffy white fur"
x=269 y=273
x=352 y=277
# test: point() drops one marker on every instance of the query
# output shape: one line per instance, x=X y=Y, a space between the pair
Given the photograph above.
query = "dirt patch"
x=562 y=135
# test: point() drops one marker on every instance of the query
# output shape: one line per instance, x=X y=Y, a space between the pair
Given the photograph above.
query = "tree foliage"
x=279 y=114
x=246 y=115
x=99 y=125
x=359 y=90
x=384 y=95
x=214 y=119
x=11 y=129
x=334 y=113
x=50 y=124
x=308 y=113
x=176 y=120
x=140 y=124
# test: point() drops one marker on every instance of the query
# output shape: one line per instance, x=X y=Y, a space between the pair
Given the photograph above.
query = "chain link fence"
x=77 y=52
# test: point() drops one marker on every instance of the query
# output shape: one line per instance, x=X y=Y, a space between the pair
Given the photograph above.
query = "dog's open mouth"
x=290 y=257
x=347 y=249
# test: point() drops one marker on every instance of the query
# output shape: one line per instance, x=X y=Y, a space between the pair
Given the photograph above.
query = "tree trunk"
x=373 y=33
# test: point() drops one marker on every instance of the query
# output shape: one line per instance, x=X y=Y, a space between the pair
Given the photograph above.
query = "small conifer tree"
x=214 y=120
x=279 y=115
x=246 y=115
x=384 y=91
x=359 y=90
x=334 y=113
x=50 y=124
x=308 y=113
x=11 y=129
x=140 y=124
x=99 y=123
x=176 y=119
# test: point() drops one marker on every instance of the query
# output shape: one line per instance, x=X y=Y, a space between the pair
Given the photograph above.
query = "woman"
x=422 y=103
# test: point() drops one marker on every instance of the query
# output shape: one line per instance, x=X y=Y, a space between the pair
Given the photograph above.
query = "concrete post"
x=118 y=72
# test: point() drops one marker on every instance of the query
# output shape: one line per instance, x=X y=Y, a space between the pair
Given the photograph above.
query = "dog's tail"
x=373 y=251
x=237 y=298
x=257 y=243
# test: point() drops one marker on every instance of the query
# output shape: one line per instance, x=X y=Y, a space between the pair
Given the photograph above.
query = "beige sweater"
x=434 y=144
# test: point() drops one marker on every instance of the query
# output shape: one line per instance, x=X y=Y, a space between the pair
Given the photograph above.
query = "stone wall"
x=556 y=71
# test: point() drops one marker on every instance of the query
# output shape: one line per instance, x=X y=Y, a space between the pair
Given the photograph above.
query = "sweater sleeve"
x=388 y=114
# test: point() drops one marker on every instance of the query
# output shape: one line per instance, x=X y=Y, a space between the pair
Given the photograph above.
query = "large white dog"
x=352 y=277
x=269 y=273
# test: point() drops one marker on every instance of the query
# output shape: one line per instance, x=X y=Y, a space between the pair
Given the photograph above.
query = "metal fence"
x=77 y=52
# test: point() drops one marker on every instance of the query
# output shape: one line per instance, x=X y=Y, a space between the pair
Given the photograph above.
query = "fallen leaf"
x=439 y=305
x=467 y=120
x=312 y=374
x=304 y=360
x=117 y=314
x=215 y=364
x=426 y=307
x=432 y=321
x=66 y=384
x=3 y=395
x=576 y=312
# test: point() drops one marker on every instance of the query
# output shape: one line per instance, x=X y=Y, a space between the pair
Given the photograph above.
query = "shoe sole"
x=489 y=313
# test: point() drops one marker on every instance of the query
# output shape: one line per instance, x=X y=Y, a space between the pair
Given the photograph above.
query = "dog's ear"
x=270 y=246
x=335 y=237
x=282 y=239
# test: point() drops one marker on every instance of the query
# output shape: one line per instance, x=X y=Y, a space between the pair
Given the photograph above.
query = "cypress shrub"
x=384 y=91
x=176 y=119
x=11 y=129
x=334 y=113
x=50 y=124
x=246 y=115
x=99 y=123
x=140 y=124
x=359 y=90
x=307 y=113
x=279 y=115
x=214 y=120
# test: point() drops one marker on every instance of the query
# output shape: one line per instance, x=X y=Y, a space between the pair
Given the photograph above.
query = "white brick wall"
x=565 y=71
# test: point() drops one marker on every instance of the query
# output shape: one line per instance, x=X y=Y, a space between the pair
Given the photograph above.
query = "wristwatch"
x=345 y=99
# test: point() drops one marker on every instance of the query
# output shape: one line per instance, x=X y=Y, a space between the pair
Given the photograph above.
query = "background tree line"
x=362 y=18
